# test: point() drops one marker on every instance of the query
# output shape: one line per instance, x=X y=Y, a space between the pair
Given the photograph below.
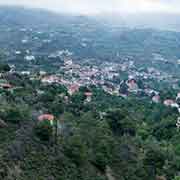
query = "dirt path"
x=109 y=173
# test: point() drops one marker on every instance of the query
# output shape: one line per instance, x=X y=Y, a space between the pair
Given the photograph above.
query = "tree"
x=176 y=178
x=4 y=68
x=102 y=153
x=44 y=130
x=57 y=107
x=154 y=159
x=15 y=114
x=165 y=129
x=120 y=123
x=76 y=149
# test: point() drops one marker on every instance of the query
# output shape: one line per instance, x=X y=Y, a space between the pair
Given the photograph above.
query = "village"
x=124 y=78
x=114 y=78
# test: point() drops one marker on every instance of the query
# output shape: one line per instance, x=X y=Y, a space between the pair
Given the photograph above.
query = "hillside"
x=85 y=37
x=83 y=98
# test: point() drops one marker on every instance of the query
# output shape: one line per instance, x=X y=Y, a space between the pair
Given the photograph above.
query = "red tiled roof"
x=156 y=98
x=4 y=85
x=88 y=94
x=168 y=102
x=48 y=117
x=73 y=88
x=132 y=81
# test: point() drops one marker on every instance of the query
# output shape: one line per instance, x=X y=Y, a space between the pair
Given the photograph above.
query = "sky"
x=100 y=6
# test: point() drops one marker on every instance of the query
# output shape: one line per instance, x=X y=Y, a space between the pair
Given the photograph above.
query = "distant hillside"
x=143 y=21
x=86 y=37
x=16 y=15
x=155 y=21
x=20 y=16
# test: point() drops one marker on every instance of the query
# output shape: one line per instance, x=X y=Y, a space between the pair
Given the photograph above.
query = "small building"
x=46 y=117
x=175 y=105
x=29 y=58
x=24 y=41
x=73 y=88
x=156 y=99
x=178 y=61
x=50 y=79
x=178 y=96
x=42 y=73
x=168 y=102
x=68 y=62
x=132 y=85
x=17 y=52
x=25 y=73
x=6 y=86
x=88 y=96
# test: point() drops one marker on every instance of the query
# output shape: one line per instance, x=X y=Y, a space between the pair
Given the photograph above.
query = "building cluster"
x=120 y=78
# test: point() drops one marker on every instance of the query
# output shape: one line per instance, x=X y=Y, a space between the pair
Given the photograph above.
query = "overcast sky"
x=101 y=6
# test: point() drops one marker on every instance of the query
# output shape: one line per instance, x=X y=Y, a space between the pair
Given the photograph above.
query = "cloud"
x=101 y=6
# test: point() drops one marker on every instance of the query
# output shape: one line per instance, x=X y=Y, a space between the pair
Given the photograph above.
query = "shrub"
x=13 y=115
x=44 y=130
x=4 y=68
x=76 y=149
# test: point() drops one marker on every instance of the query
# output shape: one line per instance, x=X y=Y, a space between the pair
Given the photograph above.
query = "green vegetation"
x=44 y=130
x=4 y=68
x=134 y=138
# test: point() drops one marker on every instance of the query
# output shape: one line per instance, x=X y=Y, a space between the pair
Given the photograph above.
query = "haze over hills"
x=17 y=15
x=161 y=21
x=20 y=15
x=99 y=36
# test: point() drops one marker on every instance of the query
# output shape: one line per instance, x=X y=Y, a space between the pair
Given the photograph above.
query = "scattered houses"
x=50 y=79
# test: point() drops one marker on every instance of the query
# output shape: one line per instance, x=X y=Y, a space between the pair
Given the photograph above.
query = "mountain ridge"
x=20 y=15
